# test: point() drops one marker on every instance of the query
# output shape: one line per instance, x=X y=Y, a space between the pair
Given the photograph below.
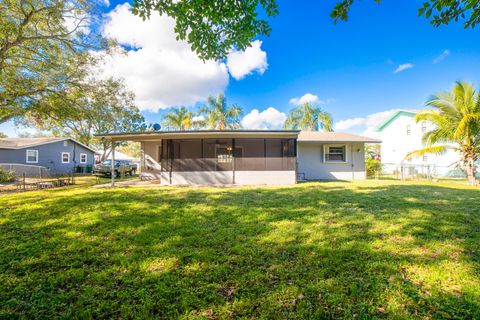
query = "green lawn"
x=373 y=249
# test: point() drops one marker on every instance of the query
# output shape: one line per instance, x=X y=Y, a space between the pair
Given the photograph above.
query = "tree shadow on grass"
x=312 y=251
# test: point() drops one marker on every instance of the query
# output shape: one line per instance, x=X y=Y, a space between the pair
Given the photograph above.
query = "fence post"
x=24 y=186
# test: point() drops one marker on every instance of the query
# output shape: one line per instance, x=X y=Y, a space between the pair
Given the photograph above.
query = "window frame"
x=424 y=127
x=86 y=158
x=227 y=159
x=326 y=149
x=409 y=130
x=66 y=153
x=36 y=156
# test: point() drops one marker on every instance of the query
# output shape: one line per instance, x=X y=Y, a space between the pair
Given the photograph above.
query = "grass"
x=372 y=249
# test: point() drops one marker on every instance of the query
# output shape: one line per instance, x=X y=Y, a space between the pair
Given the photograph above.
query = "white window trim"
x=325 y=148
x=86 y=158
x=36 y=156
x=63 y=153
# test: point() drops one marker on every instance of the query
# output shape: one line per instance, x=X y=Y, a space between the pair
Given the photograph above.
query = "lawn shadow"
x=317 y=250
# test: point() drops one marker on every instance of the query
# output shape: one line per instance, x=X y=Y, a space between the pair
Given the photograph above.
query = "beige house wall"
x=312 y=165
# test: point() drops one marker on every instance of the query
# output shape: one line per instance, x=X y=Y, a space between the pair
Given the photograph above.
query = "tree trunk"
x=106 y=152
x=471 y=171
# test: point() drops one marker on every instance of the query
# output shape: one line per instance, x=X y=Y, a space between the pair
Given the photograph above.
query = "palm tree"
x=457 y=126
x=219 y=116
x=179 y=118
x=308 y=117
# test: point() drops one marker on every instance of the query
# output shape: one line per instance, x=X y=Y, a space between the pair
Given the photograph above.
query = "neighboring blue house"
x=59 y=155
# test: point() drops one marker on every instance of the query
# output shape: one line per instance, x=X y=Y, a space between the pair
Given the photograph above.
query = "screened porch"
x=232 y=154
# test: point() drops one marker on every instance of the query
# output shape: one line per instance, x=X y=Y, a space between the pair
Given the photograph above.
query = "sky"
x=384 y=58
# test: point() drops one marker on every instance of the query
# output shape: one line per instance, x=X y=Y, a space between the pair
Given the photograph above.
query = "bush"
x=373 y=166
x=7 y=176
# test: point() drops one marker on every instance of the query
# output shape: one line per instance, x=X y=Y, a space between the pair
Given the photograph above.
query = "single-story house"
x=59 y=155
x=247 y=157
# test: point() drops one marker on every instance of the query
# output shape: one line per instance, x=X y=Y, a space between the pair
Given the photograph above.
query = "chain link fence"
x=409 y=171
x=21 y=177
x=25 y=177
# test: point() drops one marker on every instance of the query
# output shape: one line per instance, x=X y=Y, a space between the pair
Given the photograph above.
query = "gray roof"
x=20 y=143
x=319 y=136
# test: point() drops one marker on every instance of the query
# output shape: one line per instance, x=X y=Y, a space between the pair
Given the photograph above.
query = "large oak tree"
x=96 y=107
x=213 y=28
x=43 y=50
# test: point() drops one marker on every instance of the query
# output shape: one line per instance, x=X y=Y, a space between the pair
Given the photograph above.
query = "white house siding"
x=311 y=164
x=396 y=144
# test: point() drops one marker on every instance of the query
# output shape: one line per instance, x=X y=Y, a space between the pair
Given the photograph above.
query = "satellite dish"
x=156 y=127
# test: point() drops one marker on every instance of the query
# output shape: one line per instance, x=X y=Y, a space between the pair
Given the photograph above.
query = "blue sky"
x=350 y=66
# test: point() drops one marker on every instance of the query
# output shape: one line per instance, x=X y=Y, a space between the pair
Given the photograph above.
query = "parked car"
x=122 y=167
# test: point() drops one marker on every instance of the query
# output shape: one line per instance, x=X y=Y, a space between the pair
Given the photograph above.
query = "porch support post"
x=112 y=172
x=233 y=161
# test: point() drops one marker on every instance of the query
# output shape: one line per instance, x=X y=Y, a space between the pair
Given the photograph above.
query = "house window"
x=409 y=130
x=425 y=158
x=83 y=158
x=335 y=154
x=224 y=155
x=424 y=127
x=65 y=143
x=32 y=156
x=65 y=157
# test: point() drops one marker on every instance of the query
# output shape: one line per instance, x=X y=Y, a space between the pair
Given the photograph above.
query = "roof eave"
x=392 y=118
x=152 y=135
x=342 y=141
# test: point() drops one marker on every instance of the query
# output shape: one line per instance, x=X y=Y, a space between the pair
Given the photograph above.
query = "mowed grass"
x=372 y=249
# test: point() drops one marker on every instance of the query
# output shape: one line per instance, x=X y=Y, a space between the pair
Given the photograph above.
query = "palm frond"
x=325 y=121
x=465 y=124
x=438 y=150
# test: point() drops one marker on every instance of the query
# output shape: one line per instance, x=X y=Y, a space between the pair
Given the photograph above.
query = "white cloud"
x=243 y=63
x=309 y=98
x=343 y=125
x=160 y=70
x=441 y=56
x=306 y=98
x=198 y=118
x=403 y=67
x=364 y=125
x=269 y=118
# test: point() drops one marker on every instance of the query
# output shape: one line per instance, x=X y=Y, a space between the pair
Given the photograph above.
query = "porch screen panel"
x=165 y=155
x=218 y=154
x=274 y=153
x=289 y=147
x=187 y=155
x=250 y=154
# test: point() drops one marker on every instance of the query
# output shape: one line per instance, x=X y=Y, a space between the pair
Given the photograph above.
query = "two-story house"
x=401 y=134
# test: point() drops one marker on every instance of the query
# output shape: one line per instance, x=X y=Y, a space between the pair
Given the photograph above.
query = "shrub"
x=373 y=166
x=7 y=176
